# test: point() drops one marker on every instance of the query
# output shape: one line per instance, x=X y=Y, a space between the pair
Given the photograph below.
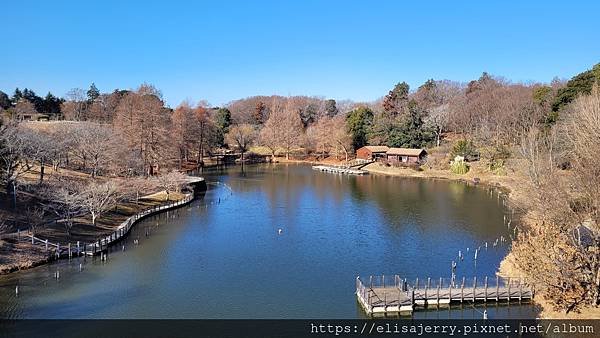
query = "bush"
x=459 y=166
x=496 y=156
x=466 y=149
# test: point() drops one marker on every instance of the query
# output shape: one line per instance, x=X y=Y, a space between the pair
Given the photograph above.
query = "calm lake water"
x=222 y=256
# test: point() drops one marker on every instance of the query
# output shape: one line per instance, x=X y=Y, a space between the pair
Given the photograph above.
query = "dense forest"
x=132 y=135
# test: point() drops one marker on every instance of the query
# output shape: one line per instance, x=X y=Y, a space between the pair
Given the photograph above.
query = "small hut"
x=405 y=155
x=371 y=153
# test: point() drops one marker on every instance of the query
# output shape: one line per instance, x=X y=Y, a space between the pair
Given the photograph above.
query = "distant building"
x=405 y=156
x=33 y=117
x=372 y=153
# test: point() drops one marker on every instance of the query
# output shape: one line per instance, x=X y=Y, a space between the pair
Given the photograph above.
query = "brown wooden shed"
x=405 y=155
x=372 y=152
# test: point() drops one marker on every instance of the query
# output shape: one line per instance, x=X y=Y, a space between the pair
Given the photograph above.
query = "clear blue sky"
x=223 y=50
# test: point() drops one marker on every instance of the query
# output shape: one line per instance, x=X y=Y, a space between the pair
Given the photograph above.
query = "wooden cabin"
x=405 y=156
x=372 y=153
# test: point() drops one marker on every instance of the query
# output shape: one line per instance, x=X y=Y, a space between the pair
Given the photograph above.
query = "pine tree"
x=93 y=93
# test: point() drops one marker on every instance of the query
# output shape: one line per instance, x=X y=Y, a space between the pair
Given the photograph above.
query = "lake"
x=223 y=256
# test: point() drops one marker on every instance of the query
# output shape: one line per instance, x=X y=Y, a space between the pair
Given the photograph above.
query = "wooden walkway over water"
x=383 y=295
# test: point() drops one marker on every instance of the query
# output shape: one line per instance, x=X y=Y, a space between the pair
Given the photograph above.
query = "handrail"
x=122 y=230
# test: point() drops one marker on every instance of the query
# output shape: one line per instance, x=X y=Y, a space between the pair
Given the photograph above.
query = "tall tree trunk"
x=42 y=167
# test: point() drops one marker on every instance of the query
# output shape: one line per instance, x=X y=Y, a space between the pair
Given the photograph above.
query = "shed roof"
x=377 y=149
x=406 y=151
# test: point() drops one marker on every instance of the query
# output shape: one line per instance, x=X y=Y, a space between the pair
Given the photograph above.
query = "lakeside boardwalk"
x=383 y=295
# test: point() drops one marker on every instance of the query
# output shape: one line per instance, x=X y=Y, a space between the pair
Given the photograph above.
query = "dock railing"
x=384 y=291
x=95 y=248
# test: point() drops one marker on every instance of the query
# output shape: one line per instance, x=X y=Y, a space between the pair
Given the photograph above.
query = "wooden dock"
x=339 y=170
x=383 y=295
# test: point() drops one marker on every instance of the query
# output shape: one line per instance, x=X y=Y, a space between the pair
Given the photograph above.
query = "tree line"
x=133 y=136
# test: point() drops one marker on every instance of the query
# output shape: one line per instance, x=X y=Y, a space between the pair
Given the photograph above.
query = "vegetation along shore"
x=73 y=168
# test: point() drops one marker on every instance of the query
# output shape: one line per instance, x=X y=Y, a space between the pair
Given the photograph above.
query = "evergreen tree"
x=4 y=100
x=331 y=108
x=580 y=84
x=395 y=102
x=17 y=96
x=93 y=93
x=359 y=123
x=222 y=119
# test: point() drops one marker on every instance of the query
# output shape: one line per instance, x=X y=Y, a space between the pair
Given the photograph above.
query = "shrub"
x=459 y=166
x=466 y=149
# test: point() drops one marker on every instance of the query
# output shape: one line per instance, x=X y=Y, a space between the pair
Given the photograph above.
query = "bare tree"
x=241 y=136
x=93 y=144
x=171 y=182
x=34 y=218
x=75 y=106
x=97 y=198
x=15 y=160
x=65 y=202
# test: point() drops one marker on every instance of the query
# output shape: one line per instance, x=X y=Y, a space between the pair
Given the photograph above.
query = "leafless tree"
x=75 y=106
x=171 y=182
x=241 y=136
x=97 y=198
x=34 y=218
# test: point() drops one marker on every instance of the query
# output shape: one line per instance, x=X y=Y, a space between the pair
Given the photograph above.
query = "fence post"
x=474 y=287
x=520 y=290
x=497 y=287
x=485 y=289
x=462 y=290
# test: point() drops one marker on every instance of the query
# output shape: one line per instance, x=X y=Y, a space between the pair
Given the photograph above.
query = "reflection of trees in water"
x=428 y=204
x=424 y=204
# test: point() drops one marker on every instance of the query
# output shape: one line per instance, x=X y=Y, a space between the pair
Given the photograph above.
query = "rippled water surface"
x=223 y=256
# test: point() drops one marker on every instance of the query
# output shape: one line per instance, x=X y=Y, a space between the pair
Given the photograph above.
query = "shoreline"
x=509 y=185
x=26 y=255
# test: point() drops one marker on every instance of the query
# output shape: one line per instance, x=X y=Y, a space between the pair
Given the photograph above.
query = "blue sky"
x=223 y=50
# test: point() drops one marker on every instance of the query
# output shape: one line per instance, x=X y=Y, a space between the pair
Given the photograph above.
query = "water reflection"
x=223 y=257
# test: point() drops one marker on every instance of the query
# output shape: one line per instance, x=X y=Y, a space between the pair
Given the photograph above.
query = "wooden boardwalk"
x=393 y=295
x=101 y=245
x=339 y=170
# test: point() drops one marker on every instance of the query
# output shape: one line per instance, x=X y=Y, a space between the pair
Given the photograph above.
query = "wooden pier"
x=340 y=169
x=383 y=295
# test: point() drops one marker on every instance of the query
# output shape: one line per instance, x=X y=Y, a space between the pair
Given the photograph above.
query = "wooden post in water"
x=417 y=283
x=462 y=290
x=474 y=287
x=69 y=248
x=485 y=289
x=520 y=290
x=383 y=280
x=438 y=294
x=46 y=242
x=371 y=282
x=78 y=249
x=497 y=288
x=57 y=251
x=508 y=298
x=427 y=287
